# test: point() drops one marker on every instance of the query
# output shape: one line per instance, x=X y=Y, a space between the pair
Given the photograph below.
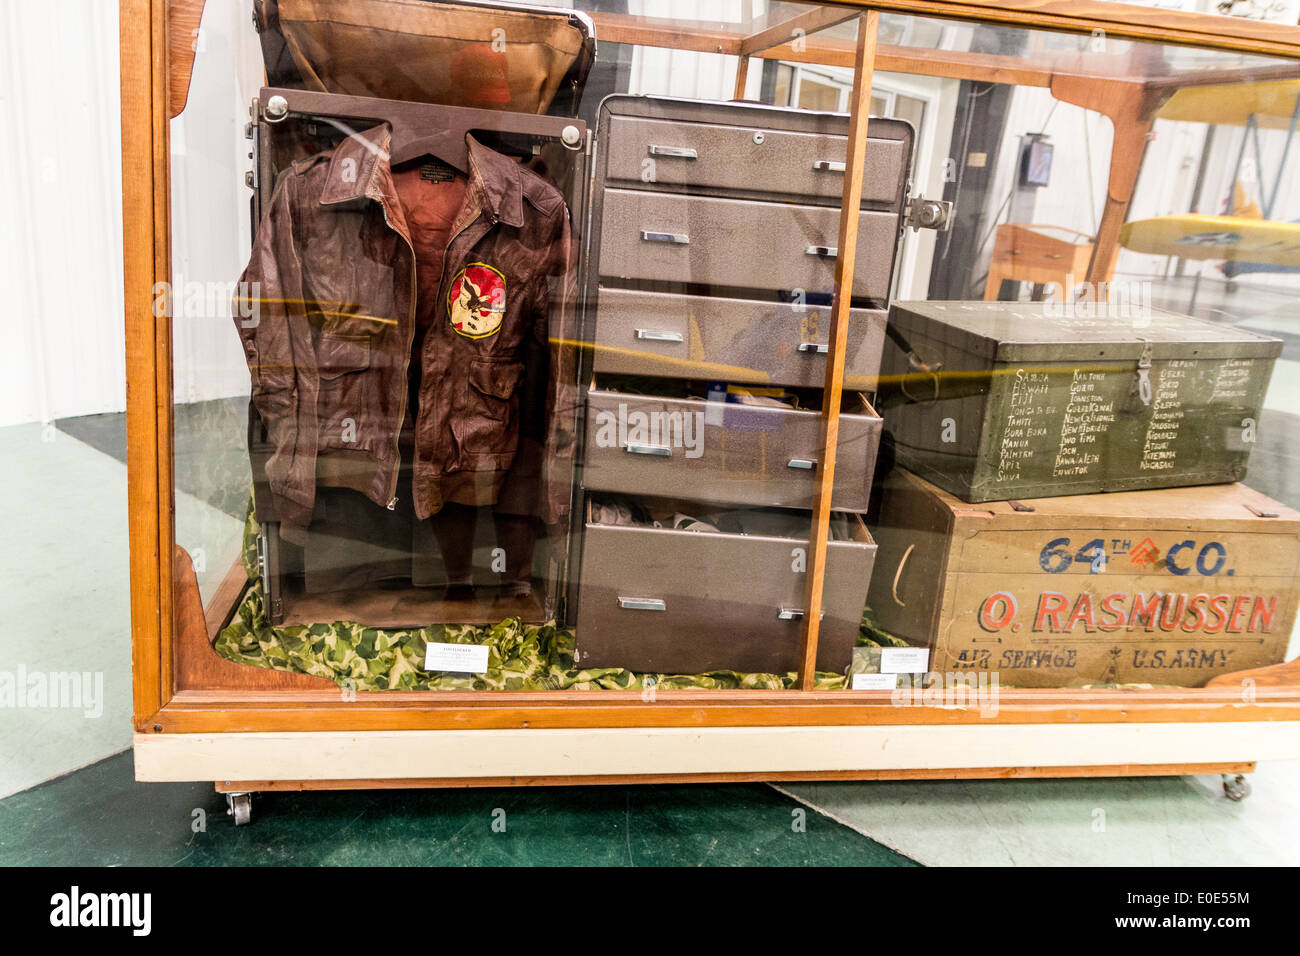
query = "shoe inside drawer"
x=720 y=443
x=668 y=586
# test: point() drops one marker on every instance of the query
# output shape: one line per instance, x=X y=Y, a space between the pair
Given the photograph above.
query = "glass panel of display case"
x=500 y=339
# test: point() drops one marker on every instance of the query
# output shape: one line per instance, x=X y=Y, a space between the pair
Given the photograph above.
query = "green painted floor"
x=100 y=816
x=64 y=593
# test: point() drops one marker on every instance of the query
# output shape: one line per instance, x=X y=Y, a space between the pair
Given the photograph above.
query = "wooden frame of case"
x=304 y=734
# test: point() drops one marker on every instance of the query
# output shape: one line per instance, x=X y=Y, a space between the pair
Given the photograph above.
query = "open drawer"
x=660 y=600
x=646 y=444
x=740 y=340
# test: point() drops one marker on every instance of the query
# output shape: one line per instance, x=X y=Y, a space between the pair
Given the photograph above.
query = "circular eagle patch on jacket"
x=476 y=301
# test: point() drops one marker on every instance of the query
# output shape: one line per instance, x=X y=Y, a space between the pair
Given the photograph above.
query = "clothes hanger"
x=447 y=145
x=420 y=129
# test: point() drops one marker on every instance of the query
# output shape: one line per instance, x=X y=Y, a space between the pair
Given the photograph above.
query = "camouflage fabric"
x=871 y=636
x=249 y=552
x=520 y=656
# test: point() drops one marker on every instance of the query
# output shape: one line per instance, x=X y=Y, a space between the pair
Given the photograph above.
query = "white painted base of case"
x=369 y=755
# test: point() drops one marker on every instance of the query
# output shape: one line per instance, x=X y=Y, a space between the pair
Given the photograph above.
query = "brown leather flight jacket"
x=329 y=346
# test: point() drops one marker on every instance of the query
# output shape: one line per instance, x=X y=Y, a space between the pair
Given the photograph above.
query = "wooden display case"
x=199 y=717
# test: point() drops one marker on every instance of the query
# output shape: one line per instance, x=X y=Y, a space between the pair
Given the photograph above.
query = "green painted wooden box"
x=995 y=401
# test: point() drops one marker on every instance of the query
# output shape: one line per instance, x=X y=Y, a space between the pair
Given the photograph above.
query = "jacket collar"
x=359 y=169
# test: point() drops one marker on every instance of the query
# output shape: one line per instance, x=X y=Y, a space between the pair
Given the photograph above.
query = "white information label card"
x=875 y=681
x=904 y=660
x=458 y=658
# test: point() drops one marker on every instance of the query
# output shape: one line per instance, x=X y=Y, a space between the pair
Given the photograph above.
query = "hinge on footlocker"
x=922 y=213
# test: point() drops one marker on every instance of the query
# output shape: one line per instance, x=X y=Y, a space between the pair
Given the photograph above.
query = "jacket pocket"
x=340 y=354
x=344 y=403
x=488 y=430
x=495 y=380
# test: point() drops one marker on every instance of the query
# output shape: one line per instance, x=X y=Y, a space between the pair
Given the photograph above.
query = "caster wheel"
x=240 y=806
x=1235 y=788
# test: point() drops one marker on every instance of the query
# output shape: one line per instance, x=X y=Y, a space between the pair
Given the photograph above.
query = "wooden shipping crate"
x=1169 y=587
x=999 y=400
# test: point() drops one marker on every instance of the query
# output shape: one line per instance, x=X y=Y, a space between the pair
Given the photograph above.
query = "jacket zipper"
x=442 y=282
x=446 y=259
x=406 y=360
x=406 y=363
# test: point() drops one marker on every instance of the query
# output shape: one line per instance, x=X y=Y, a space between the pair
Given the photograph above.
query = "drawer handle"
x=677 y=152
x=659 y=335
x=813 y=348
x=643 y=604
x=676 y=238
x=828 y=166
x=793 y=614
x=829 y=252
x=663 y=451
x=805 y=464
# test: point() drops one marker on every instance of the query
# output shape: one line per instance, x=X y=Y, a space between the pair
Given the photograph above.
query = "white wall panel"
x=60 y=247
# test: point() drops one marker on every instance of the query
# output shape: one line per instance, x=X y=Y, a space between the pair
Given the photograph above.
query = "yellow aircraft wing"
x=1271 y=103
x=1215 y=237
